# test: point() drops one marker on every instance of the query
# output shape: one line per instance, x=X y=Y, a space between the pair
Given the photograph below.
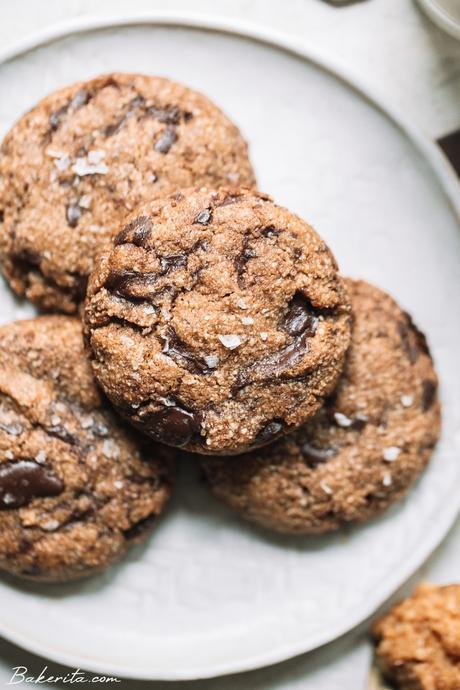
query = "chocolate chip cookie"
x=85 y=156
x=364 y=448
x=76 y=487
x=217 y=321
x=418 y=641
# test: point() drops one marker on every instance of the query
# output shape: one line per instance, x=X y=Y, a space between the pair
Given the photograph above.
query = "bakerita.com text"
x=21 y=675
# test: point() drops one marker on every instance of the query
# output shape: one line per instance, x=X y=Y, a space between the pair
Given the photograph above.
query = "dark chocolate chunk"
x=300 y=317
x=316 y=456
x=137 y=232
x=175 y=348
x=413 y=340
x=169 y=116
x=73 y=214
x=62 y=434
x=172 y=425
x=275 y=364
x=429 y=389
x=131 y=285
x=269 y=432
x=203 y=217
x=173 y=261
x=24 y=480
x=166 y=140
x=139 y=528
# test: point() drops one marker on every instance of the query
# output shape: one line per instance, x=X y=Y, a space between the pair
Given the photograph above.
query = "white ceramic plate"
x=210 y=595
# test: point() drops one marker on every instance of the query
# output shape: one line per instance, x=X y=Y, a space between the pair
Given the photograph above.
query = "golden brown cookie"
x=85 y=156
x=76 y=487
x=418 y=641
x=217 y=321
x=365 y=447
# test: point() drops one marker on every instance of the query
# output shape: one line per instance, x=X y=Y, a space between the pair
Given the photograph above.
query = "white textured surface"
x=209 y=593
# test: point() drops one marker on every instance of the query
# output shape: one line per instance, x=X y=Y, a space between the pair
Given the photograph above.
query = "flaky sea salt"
x=212 y=361
x=326 y=488
x=85 y=201
x=264 y=336
x=9 y=455
x=247 y=320
x=62 y=163
x=231 y=341
x=241 y=303
x=50 y=525
x=110 y=449
x=118 y=484
x=84 y=166
x=391 y=453
x=387 y=480
x=40 y=457
x=406 y=400
x=342 y=420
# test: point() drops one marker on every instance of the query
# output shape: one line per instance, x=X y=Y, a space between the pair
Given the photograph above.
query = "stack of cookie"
x=215 y=322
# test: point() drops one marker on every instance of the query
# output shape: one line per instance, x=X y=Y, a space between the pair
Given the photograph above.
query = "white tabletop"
x=389 y=44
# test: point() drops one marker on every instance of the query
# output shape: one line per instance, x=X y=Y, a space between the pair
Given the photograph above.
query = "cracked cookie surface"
x=418 y=641
x=77 y=486
x=217 y=321
x=87 y=155
x=363 y=449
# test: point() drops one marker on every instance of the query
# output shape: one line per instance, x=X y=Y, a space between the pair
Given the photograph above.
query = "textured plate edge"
x=449 y=184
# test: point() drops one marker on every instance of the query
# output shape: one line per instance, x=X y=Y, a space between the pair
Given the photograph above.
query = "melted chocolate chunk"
x=314 y=456
x=131 y=285
x=173 y=261
x=175 y=348
x=24 y=480
x=413 y=341
x=73 y=214
x=270 y=231
x=13 y=429
x=174 y=426
x=300 y=317
x=137 y=232
x=62 y=434
x=169 y=116
x=203 y=217
x=429 y=389
x=139 y=528
x=269 y=432
x=80 y=99
x=247 y=253
x=166 y=140
x=275 y=364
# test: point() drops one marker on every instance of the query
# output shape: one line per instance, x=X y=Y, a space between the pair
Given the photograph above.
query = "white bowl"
x=444 y=13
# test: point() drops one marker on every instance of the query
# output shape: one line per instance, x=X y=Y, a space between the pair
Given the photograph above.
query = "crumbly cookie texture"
x=418 y=641
x=217 y=321
x=76 y=486
x=363 y=449
x=87 y=155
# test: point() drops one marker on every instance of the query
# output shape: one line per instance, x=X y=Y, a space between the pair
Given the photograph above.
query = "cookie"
x=76 y=486
x=87 y=155
x=418 y=641
x=217 y=321
x=363 y=449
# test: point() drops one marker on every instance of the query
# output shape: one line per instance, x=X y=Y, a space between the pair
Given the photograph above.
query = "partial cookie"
x=86 y=155
x=76 y=487
x=418 y=641
x=366 y=446
x=217 y=321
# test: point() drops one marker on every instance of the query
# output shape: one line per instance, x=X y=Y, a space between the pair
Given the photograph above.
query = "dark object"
x=450 y=144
